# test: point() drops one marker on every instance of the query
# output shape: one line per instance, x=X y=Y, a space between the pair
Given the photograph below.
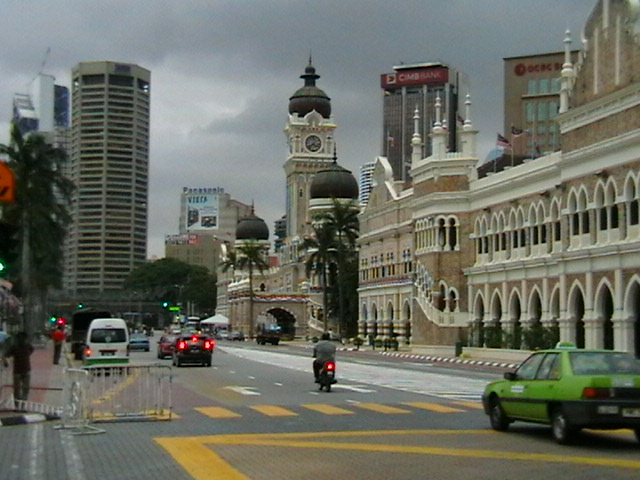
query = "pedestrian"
x=58 y=336
x=20 y=349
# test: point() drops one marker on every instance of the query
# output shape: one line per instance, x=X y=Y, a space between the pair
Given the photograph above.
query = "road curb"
x=26 y=418
x=464 y=361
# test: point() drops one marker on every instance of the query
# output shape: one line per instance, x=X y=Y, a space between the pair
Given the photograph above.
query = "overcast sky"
x=222 y=72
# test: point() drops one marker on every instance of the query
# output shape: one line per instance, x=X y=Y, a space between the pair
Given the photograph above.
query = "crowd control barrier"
x=116 y=393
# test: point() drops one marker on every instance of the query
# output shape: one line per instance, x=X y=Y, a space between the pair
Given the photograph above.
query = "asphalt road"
x=256 y=414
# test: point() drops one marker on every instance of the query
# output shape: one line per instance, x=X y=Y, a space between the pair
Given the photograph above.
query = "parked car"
x=222 y=335
x=569 y=389
x=236 y=336
x=139 y=341
x=165 y=345
x=197 y=348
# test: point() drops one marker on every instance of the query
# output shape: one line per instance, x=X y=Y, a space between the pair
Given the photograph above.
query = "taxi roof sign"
x=565 y=345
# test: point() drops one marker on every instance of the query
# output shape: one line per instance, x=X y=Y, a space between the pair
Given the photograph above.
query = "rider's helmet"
x=326 y=336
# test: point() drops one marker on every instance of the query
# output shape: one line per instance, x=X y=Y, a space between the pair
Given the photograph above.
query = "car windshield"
x=604 y=363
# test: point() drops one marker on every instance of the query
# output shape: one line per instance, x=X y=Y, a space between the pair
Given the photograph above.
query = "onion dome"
x=310 y=97
x=334 y=182
x=252 y=227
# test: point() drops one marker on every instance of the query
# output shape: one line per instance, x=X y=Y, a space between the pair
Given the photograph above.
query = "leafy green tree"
x=174 y=281
x=332 y=254
x=249 y=256
x=321 y=255
x=40 y=213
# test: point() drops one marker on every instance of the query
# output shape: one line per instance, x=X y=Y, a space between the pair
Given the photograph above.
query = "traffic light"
x=53 y=319
x=166 y=304
x=3 y=267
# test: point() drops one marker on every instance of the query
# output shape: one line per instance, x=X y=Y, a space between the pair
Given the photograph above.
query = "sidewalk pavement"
x=45 y=394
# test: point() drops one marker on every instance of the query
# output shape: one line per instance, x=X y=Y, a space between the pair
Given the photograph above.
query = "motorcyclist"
x=323 y=351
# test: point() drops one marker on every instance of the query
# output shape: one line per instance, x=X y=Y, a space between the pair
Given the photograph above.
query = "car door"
x=516 y=399
x=541 y=390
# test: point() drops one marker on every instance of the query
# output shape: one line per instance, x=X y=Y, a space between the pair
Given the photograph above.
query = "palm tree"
x=42 y=197
x=247 y=256
x=321 y=250
x=334 y=245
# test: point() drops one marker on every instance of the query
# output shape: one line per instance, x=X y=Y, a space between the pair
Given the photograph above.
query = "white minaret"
x=566 y=75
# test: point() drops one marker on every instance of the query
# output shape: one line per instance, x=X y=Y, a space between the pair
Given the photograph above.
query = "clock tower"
x=309 y=132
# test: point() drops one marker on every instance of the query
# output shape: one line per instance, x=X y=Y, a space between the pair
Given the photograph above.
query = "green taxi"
x=569 y=389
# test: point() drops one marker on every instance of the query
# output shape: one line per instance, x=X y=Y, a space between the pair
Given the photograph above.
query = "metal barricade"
x=128 y=392
x=6 y=388
x=74 y=414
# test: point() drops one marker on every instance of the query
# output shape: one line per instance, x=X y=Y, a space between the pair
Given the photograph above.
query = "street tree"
x=333 y=253
x=173 y=281
x=40 y=214
x=248 y=256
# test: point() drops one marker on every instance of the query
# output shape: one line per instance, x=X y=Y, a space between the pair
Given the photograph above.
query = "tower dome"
x=334 y=182
x=252 y=227
x=310 y=97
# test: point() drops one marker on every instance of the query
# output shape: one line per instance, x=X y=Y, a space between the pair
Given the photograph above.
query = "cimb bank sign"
x=416 y=76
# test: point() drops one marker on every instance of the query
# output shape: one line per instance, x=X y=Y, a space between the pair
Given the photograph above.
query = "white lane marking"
x=277 y=384
x=72 y=459
x=354 y=388
x=36 y=470
x=421 y=382
x=242 y=390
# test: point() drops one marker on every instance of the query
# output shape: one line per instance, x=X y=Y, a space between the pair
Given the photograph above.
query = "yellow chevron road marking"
x=196 y=454
x=476 y=405
x=327 y=409
x=380 y=408
x=274 y=411
x=218 y=412
x=433 y=407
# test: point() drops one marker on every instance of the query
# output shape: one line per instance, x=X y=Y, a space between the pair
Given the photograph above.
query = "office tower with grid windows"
x=411 y=87
x=531 y=102
x=109 y=165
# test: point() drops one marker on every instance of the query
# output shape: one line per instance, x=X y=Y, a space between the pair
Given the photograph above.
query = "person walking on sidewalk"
x=58 y=336
x=20 y=349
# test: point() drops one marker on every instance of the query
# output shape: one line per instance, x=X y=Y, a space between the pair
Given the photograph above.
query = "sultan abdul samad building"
x=546 y=249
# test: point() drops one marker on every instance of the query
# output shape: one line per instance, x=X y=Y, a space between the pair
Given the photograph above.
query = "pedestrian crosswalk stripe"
x=218 y=412
x=327 y=409
x=477 y=405
x=274 y=411
x=434 y=407
x=380 y=408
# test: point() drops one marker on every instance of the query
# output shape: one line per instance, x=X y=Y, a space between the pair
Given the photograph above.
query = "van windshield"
x=108 y=335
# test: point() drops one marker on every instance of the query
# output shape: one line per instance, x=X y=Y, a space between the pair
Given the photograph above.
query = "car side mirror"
x=510 y=376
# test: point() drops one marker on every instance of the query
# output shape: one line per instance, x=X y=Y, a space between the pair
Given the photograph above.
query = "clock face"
x=313 y=143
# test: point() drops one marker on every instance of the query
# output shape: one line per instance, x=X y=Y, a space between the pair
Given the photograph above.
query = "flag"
x=390 y=140
x=502 y=142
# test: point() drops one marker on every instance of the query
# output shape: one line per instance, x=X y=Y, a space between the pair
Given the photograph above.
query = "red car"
x=165 y=346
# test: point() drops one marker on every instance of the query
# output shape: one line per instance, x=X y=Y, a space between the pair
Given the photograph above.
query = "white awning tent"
x=217 y=320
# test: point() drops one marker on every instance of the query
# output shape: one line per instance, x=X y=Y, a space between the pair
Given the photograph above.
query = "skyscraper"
x=411 y=87
x=109 y=165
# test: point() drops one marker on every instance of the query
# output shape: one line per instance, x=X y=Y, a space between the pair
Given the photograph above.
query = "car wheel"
x=499 y=421
x=560 y=428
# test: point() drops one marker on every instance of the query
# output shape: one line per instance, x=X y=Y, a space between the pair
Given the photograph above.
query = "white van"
x=107 y=342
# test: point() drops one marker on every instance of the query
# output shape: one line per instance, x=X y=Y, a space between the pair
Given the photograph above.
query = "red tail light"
x=194 y=339
x=595 y=393
x=182 y=345
x=330 y=366
x=209 y=344
x=87 y=352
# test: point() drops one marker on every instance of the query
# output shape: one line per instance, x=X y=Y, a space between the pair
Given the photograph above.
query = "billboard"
x=201 y=211
x=415 y=76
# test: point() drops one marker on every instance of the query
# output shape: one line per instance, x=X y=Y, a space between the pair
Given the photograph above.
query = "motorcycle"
x=327 y=376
